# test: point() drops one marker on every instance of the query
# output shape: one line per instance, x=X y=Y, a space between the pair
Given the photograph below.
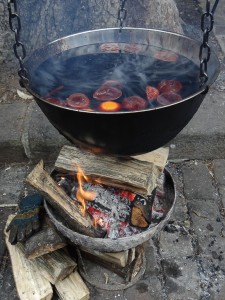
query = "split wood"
x=126 y=173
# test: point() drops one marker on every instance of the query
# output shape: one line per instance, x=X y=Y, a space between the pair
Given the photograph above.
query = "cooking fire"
x=118 y=212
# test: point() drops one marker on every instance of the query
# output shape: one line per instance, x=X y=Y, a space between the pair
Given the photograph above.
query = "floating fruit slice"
x=109 y=106
x=110 y=47
x=112 y=83
x=56 y=101
x=151 y=92
x=167 y=86
x=78 y=100
x=132 y=48
x=168 y=98
x=166 y=56
x=107 y=93
x=134 y=103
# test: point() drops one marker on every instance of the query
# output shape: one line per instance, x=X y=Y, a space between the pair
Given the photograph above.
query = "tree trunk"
x=46 y=20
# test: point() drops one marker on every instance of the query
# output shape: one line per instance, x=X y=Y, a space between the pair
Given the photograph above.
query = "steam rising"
x=80 y=71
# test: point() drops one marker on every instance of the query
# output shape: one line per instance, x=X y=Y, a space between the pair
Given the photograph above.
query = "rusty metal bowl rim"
x=120 y=244
x=60 y=41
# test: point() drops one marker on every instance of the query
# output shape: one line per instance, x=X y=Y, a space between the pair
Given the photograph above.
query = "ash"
x=111 y=207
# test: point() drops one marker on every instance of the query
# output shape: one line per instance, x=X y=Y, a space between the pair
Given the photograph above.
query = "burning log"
x=29 y=281
x=125 y=173
x=58 y=198
x=45 y=241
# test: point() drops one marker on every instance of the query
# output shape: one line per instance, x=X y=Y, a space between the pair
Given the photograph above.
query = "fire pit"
x=165 y=207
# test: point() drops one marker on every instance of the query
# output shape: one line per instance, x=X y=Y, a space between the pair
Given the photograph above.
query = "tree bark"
x=46 y=20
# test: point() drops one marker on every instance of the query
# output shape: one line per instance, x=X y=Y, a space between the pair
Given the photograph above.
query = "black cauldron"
x=122 y=133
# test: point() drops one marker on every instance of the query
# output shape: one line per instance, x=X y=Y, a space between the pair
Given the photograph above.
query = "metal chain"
x=18 y=46
x=122 y=13
x=207 y=22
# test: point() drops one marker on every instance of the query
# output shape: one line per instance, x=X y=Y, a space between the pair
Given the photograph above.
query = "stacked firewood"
x=43 y=261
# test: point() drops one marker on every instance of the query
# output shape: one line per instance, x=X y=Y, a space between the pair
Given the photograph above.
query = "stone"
x=175 y=245
x=12 y=179
x=198 y=182
x=145 y=290
x=11 y=130
x=45 y=141
x=219 y=170
x=182 y=280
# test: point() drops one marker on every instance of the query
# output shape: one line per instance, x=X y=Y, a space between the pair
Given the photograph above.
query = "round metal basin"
x=130 y=132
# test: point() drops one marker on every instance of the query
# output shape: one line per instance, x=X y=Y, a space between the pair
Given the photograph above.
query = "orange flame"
x=82 y=195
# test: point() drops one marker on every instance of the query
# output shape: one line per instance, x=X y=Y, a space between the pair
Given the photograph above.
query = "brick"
x=197 y=182
x=219 y=170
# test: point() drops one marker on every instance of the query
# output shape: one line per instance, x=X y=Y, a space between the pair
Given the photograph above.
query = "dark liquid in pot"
x=80 y=72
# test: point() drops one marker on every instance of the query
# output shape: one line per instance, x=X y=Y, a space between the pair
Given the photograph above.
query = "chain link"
x=18 y=46
x=122 y=13
x=207 y=22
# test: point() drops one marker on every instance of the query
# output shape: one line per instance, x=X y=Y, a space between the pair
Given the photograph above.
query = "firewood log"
x=72 y=288
x=58 y=198
x=55 y=266
x=30 y=283
x=125 y=173
x=120 y=259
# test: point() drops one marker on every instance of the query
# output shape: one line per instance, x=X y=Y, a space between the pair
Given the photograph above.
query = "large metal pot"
x=123 y=133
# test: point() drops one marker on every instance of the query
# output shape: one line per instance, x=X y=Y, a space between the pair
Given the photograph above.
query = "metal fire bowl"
x=122 y=133
x=120 y=244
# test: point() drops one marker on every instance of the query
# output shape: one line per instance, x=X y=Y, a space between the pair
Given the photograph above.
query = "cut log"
x=137 y=218
x=158 y=157
x=120 y=259
x=48 y=239
x=126 y=173
x=72 y=288
x=58 y=198
x=55 y=266
x=30 y=284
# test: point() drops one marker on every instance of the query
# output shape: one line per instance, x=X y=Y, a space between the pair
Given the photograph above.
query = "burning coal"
x=118 y=212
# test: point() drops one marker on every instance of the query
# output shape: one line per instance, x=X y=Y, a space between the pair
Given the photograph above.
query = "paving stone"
x=97 y=294
x=12 y=179
x=175 y=245
x=219 y=170
x=198 y=182
x=182 y=280
x=180 y=210
x=145 y=290
x=4 y=212
x=206 y=220
x=11 y=130
x=222 y=193
x=152 y=260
